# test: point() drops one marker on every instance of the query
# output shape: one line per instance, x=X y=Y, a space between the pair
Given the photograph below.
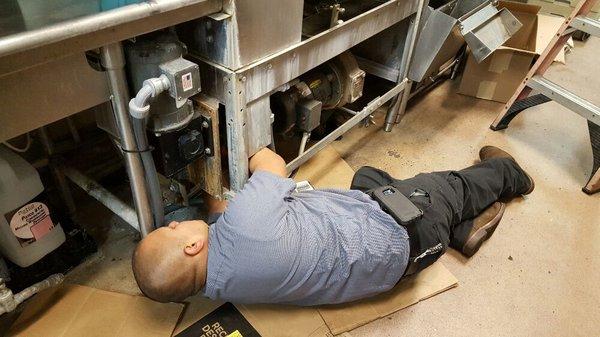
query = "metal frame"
x=357 y=118
x=244 y=91
x=571 y=101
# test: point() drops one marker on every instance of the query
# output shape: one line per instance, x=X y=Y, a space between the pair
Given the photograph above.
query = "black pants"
x=450 y=200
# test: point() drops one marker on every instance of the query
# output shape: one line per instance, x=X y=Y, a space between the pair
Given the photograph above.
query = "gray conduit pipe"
x=139 y=109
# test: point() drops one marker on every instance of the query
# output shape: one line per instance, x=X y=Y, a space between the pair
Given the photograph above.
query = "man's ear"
x=194 y=248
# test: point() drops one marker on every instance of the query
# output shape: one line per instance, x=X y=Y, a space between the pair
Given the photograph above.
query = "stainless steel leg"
x=104 y=196
x=114 y=62
x=56 y=167
x=398 y=105
x=235 y=111
x=403 y=102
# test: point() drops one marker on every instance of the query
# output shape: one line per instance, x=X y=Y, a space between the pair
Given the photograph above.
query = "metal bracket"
x=220 y=16
x=207 y=135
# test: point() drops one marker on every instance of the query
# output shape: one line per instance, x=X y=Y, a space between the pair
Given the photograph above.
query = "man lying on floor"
x=275 y=245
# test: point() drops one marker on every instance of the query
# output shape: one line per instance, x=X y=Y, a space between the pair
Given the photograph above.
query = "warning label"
x=186 y=81
x=30 y=223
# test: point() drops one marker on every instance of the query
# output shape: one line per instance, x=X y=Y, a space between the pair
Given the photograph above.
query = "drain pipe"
x=114 y=63
x=139 y=109
x=10 y=301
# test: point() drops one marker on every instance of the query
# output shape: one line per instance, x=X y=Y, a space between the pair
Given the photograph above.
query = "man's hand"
x=267 y=160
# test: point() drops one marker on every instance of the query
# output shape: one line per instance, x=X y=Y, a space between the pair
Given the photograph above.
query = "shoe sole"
x=483 y=234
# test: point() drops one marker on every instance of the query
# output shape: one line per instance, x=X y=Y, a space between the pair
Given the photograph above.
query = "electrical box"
x=184 y=77
x=173 y=151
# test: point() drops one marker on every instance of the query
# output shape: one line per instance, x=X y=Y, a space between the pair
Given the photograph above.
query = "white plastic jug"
x=27 y=230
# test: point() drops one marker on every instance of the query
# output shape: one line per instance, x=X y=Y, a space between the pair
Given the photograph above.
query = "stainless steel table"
x=45 y=75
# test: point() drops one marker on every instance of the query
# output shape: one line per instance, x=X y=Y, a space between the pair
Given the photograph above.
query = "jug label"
x=30 y=222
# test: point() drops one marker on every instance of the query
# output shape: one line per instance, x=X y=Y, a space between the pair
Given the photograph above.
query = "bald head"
x=169 y=265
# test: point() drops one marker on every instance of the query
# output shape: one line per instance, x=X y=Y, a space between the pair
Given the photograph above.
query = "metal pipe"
x=114 y=62
x=399 y=104
x=367 y=110
x=105 y=197
x=10 y=301
x=90 y=24
x=352 y=112
x=305 y=138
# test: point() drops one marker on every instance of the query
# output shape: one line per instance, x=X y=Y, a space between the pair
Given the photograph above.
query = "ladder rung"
x=585 y=24
x=566 y=98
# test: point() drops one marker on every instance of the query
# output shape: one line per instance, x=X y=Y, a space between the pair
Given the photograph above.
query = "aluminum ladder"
x=550 y=91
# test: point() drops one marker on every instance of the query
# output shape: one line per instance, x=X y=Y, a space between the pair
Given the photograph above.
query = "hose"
x=139 y=130
x=20 y=150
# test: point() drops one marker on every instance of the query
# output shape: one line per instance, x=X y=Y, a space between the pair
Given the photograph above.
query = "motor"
x=312 y=97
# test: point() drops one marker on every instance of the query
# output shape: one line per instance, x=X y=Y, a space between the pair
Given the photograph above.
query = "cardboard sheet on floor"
x=73 y=310
x=328 y=169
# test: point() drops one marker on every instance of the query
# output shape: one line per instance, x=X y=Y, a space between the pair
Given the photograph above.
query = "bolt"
x=243 y=78
x=209 y=39
x=269 y=66
x=207 y=151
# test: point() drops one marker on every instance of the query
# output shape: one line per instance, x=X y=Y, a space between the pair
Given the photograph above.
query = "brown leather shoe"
x=489 y=151
x=484 y=226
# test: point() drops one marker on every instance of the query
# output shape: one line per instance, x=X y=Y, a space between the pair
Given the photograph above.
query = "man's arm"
x=267 y=160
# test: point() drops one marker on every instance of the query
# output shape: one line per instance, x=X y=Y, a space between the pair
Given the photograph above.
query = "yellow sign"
x=236 y=333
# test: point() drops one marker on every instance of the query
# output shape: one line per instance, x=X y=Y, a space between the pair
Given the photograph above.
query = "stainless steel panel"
x=47 y=93
x=258 y=125
x=384 y=49
x=488 y=29
x=254 y=29
x=438 y=39
x=269 y=73
x=464 y=7
x=25 y=49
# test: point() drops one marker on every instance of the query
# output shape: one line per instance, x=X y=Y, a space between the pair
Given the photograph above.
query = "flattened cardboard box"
x=497 y=77
x=328 y=169
x=73 y=310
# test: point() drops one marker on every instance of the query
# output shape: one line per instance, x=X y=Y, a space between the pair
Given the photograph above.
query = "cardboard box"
x=73 y=310
x=497 y=77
